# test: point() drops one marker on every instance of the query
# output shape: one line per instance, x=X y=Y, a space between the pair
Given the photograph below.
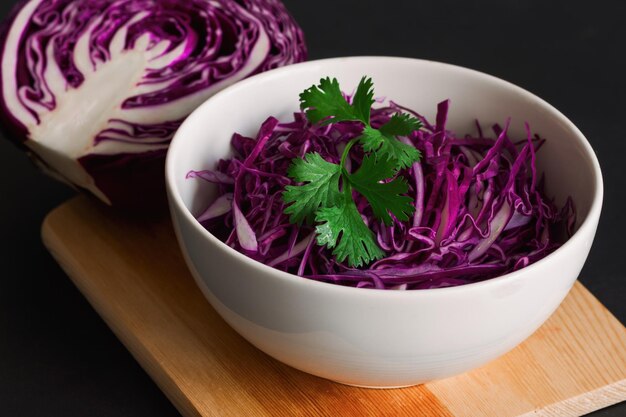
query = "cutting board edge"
x=583 y=404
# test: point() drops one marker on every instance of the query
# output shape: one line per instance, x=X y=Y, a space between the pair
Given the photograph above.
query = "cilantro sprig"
x=325 y=194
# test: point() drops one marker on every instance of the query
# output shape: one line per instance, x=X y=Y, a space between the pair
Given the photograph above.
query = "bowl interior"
x=566 y=159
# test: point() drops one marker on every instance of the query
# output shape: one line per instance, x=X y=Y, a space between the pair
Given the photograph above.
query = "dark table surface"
x=58 y=358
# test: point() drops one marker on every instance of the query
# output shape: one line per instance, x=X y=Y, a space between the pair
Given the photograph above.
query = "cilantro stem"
x=345 y=153
x=347 y=188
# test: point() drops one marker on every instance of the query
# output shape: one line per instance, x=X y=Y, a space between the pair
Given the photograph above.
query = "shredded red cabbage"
x=480 y=206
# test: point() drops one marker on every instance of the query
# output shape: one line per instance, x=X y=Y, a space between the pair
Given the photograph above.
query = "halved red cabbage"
x=480 y=208
x=95 y=89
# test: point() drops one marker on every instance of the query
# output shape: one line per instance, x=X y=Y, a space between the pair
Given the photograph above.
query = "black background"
x=58 y=358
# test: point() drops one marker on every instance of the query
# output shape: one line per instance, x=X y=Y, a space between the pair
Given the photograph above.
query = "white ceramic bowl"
x=369 y=337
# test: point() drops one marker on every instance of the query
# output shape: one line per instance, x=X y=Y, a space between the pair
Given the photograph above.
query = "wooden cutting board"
x=134 y=275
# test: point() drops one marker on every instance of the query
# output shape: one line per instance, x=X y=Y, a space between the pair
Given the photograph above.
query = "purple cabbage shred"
x=480 y=206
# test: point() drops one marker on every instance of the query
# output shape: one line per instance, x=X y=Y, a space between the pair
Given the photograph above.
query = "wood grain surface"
x=133 y=274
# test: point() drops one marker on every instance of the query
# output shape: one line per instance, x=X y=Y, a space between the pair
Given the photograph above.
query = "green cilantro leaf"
x=344 y=230
x=401 y=125
x=321 y=188
x=384 y=144
x=326 y=103
x=363 y=100
x=384 y=197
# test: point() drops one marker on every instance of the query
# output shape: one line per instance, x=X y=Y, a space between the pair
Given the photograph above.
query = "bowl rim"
x=176 y=202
